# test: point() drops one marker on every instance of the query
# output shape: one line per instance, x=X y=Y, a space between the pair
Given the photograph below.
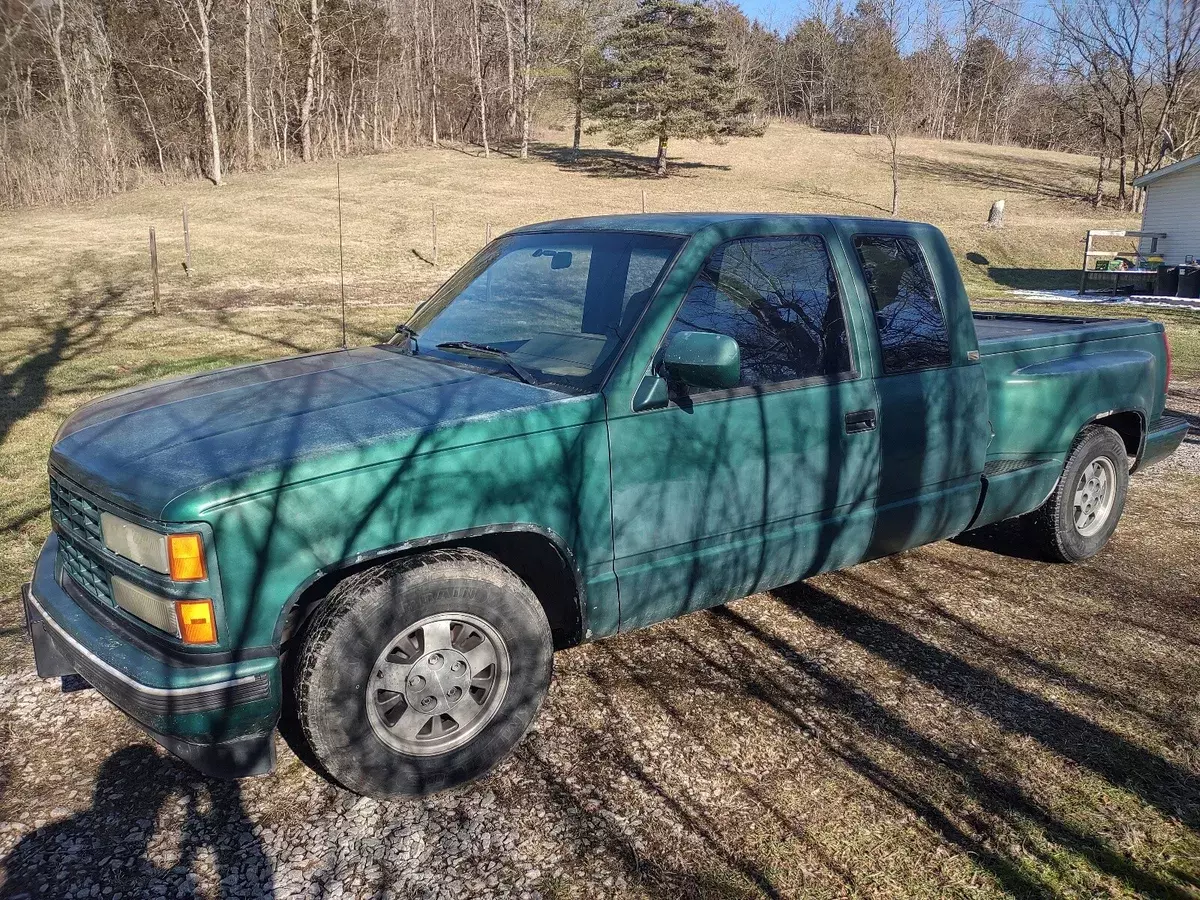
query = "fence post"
x=643 y=200
x=1087 y=252
x=187 y=244
x=487 y=234
x=435 y=247
x=154 y=271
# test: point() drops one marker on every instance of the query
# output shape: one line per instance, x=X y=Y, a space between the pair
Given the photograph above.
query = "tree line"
x=1115 y=79
x=96 y=96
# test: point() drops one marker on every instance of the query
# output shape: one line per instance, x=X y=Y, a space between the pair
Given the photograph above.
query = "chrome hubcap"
x=437 y=684
x=1094 y=495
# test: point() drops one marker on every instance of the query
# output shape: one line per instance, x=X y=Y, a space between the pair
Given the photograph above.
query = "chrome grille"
x=82 y=568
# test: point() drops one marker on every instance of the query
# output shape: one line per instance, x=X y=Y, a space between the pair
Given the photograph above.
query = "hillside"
x=270 y=236
x=75 y=285
x=958 y=720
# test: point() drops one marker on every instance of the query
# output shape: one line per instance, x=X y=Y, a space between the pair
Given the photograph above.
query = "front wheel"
x=1081 y=514
x=422 y=674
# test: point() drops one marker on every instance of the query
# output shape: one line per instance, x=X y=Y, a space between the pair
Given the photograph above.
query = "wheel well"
x=532 y=556
x=1129 y=426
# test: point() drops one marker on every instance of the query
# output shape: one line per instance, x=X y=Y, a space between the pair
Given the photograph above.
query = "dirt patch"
x=953 y=720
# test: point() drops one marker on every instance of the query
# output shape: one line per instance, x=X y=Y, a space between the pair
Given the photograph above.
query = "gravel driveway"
x=954 y=720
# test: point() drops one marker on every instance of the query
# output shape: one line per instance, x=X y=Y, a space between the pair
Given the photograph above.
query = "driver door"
x=718 y=493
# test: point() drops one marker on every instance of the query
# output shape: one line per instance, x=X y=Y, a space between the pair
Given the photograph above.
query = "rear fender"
x=1051 y=401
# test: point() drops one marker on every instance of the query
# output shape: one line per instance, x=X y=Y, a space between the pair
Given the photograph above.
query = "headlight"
x=179 y=555
x=135 y=543
x=192 y=621
x=150 y=608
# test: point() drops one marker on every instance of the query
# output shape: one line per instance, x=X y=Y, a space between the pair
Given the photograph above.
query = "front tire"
x=1081 y=514
x=422 y=674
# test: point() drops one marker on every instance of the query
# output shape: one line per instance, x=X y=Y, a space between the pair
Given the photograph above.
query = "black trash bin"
x=1189 y=282
x=1166 y=283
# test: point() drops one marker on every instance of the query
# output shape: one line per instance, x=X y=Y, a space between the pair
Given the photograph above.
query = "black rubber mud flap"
x=49 y=661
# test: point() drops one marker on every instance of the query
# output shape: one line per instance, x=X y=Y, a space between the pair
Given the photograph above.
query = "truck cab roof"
x=688 y=223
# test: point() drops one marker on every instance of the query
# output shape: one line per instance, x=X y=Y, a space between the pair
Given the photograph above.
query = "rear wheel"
x=422 y=674
x=1081 y=514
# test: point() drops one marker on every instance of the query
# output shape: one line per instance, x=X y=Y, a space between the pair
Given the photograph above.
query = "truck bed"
x=1048 y=376
x=1001 y=332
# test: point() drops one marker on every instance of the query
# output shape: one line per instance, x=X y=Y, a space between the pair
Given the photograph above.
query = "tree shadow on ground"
x=1044 y=178
x=974 y=803
x=1173 y=791
x=658 y=878
x=1034 y=279
x=813 y=190
x=1122 y=763
x=107 y=847
x=613 y=163
x=25 y=387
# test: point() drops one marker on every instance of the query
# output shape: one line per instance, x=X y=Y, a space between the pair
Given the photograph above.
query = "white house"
x=1173 y=207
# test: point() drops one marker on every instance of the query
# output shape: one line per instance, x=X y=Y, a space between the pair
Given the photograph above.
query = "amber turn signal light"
x=185 y=553
x=197 y=624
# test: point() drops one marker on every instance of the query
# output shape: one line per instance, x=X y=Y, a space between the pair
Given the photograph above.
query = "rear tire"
x=1081 y=514
x=422 y=674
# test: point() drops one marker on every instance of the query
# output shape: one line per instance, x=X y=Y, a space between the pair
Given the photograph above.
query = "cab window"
x=779 y=299
x=912 y=330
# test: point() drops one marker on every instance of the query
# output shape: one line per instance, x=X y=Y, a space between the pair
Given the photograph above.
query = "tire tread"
x=1044 y=524
x=341 y=601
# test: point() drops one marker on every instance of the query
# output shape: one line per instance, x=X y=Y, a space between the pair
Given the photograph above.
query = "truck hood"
x=144 y=447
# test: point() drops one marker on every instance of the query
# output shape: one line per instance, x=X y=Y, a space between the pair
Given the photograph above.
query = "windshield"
x=554 y=308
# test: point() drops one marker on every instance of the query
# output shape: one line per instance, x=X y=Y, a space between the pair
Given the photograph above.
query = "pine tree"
x=669 y=77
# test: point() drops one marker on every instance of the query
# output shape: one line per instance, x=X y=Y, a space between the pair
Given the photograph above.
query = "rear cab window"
x=908 y=315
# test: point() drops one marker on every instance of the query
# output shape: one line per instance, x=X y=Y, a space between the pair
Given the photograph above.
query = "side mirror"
x=701 y=359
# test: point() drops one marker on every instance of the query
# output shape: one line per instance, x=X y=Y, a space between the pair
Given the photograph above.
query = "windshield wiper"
x=470 y=348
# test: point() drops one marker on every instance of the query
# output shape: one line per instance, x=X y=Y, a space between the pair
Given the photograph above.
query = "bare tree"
x=433 y=74
x=1135 y=59
x=510 y=53
x=528 y=14
x=51 y=23
x=194 y=20
x=477 y=52
x=204 y=40
x=306 y=108
x=249 y=107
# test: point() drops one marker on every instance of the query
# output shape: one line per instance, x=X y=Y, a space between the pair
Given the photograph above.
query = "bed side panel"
x=1039 y=400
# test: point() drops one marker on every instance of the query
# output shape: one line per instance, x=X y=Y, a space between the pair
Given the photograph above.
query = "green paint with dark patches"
x=302 y=466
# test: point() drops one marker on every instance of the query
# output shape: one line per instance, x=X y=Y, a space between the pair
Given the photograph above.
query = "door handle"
x=860 y=420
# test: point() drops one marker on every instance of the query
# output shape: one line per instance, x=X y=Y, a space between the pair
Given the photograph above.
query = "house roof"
x=1172 y=169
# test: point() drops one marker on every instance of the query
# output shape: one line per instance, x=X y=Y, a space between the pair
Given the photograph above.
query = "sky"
x=779 y=14
x=771 y=12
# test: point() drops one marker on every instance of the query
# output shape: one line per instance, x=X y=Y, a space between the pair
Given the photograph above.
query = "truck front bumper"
x=220 y=717
x=1162 y=440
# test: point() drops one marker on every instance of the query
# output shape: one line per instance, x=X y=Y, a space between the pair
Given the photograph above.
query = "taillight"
x=1167 y=347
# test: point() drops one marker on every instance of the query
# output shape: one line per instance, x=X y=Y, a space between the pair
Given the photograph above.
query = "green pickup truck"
x=596 y=424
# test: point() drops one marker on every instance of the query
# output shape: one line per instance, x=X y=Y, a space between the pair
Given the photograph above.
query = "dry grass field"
x=956 y=721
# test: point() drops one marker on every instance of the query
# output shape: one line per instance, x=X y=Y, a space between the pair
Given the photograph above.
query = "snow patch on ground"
x=1070 y=296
